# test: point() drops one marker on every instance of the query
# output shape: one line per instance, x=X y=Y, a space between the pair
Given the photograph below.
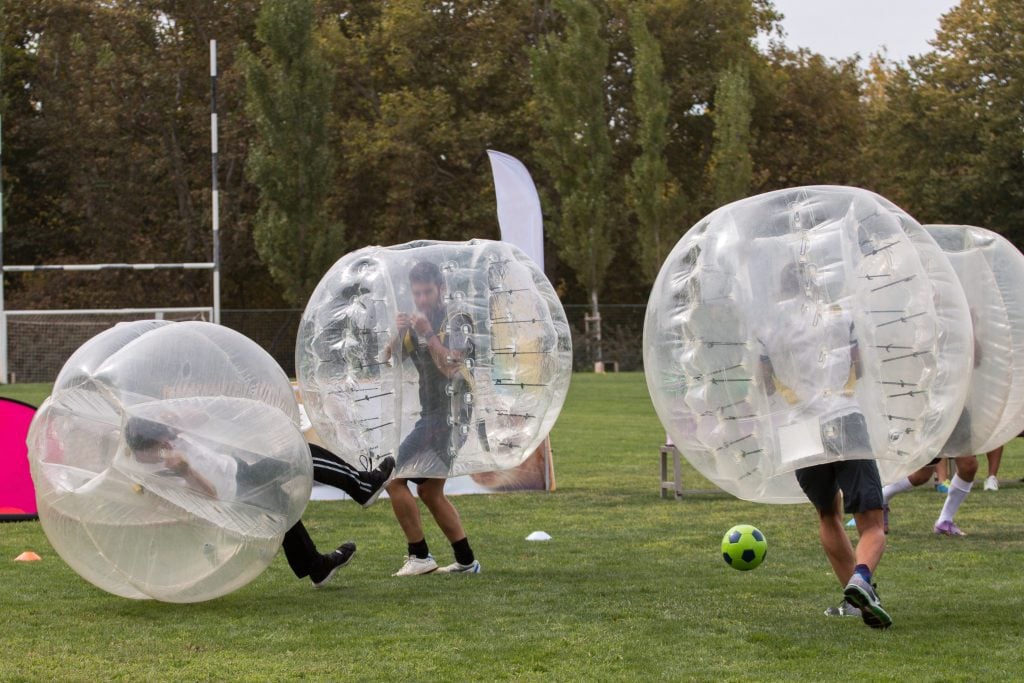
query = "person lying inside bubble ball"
x=221 y=476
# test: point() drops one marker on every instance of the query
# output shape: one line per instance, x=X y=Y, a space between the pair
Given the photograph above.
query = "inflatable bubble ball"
x=168 y=463
x=991 y=272
x=802 y=327
x=454 y=358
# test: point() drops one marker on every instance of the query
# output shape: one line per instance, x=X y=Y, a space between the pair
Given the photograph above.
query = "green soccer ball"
x=744 y=547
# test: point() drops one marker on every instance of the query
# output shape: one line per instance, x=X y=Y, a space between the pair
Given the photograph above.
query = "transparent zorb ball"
x=452 y=357
x=801 y=327
x=168 y=463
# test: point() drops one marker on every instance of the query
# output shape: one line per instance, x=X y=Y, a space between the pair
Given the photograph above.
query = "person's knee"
x=397 y=487
x=432 y=491
x=967 y=468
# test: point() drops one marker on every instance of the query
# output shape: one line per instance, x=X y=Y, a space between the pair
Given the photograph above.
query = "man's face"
x=426 y=296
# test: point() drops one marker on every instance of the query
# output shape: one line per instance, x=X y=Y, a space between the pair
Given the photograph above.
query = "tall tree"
x=809 y=121
x=289 y=93
x=653 y=193
x=947 y=142
x=570 y=73
x=425 y=89
x=730 y=169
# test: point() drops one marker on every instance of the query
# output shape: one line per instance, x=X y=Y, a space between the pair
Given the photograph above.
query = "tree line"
x=345 y=123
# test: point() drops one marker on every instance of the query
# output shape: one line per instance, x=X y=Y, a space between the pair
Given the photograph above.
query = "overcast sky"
x=840 y=28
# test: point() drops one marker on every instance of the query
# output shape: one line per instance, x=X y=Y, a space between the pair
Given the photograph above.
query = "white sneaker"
x=991 y=484
x=414 y=566
x=456 y=568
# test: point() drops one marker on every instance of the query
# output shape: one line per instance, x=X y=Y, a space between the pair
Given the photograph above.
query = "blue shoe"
x=942 y=486
x=862 y=595
x=852 y=522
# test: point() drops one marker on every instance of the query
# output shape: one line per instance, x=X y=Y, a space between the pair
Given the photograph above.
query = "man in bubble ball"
x=798 y=375
x=438 y=345
x=226 y=477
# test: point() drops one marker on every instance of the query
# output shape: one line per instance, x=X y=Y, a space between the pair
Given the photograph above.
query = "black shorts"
x=857 y=479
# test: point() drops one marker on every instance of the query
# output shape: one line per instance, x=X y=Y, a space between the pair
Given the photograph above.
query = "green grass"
x=631 y=587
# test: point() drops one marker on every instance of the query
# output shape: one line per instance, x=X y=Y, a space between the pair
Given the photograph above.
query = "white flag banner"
x=519 y=215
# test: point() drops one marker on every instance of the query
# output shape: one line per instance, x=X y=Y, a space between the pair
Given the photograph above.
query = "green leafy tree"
x=569 y=73
x=730 y=169
x=289 y=87
x=809 y=122
x=107 y=150
x=947 y=138
x=653 y=193
x=425 y=89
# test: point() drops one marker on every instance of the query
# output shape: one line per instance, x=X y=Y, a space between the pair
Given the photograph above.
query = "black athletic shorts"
x=858 y=480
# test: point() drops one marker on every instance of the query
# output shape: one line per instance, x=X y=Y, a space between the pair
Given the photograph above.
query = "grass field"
x=631 y=587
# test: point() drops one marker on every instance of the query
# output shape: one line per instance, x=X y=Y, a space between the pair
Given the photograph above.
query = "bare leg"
x=406 y=510
x=871 y=544
x=994 y=458
x=444 y=513
x=922 y=475
x=835 y=541
x=967 y=467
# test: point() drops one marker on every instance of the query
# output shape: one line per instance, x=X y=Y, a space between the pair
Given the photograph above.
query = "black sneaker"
x=864 y=596
x=332 y=562
x=377 y=479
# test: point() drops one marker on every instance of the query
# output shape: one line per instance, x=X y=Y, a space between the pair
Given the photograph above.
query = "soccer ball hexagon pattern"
x=744 y=547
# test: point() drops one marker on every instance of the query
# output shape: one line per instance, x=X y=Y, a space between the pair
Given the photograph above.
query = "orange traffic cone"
x=27 y=556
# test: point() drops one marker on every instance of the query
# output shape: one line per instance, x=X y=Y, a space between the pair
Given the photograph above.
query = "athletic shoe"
x=332 y=562
x=844 y=609
x=456 y=568
x=414 y=566
x=864 y=597
x=885 y=518
x=991 y=484
x=377 y=479
x=943 y=486
x=948 y=528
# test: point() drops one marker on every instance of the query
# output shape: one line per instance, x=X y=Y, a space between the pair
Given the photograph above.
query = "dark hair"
x=426 y=273
x=142 y=434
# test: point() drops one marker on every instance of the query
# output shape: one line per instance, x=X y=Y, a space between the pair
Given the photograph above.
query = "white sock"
x=958 y=490
x=897 y=487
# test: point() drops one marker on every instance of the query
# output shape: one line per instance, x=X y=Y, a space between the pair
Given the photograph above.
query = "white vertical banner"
x=519 y=215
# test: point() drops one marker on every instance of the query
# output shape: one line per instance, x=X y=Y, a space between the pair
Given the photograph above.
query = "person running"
x=804 y=380
x=438 y=345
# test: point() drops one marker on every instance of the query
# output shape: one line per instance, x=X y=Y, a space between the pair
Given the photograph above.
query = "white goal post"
x=104 y=318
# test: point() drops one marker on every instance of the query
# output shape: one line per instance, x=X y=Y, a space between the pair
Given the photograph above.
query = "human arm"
x=403 y=323
x=447 y=358
x=179 y=465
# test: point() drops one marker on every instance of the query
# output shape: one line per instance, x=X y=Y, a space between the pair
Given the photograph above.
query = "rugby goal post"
x=212 y=311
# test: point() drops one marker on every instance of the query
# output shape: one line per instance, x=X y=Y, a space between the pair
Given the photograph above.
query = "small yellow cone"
x=27 y=556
